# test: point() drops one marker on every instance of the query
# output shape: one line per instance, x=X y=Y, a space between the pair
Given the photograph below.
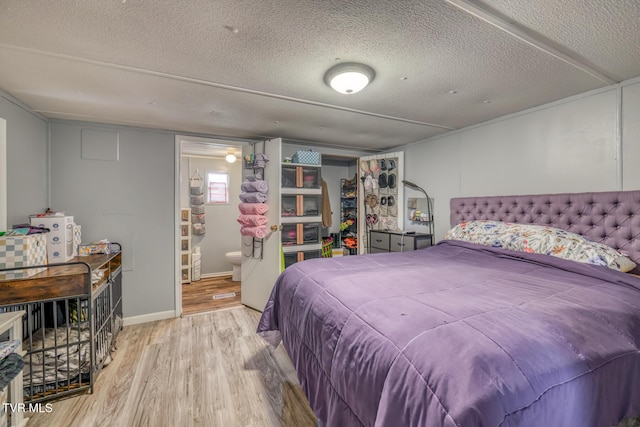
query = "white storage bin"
x=195 y=272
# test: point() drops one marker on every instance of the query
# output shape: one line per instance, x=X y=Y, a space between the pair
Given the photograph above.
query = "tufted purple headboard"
x=612 y=218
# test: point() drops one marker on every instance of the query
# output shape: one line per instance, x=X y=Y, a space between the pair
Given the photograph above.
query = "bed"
x=463 y=334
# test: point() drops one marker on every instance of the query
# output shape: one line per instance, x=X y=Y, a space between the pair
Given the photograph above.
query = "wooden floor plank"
x=197 y=297
x=211 y=369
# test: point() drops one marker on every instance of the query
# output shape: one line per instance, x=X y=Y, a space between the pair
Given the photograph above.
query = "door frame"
x=179 y=139
x=176 y=222
x=3 y=174
x=363 y=232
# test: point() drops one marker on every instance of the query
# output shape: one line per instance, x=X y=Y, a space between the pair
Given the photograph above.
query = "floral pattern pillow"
x=540 y=239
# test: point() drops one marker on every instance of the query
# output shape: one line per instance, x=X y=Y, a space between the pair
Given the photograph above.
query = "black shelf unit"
x=349 y=211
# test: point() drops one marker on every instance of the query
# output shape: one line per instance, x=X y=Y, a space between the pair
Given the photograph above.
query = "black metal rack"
x=71 y=322
x=349 y=212
x=249 y=162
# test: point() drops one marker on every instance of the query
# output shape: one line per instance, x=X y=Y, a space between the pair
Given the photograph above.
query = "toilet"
x=235 y=258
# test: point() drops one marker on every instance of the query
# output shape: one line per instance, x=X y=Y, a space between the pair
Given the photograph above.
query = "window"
x=218 y=187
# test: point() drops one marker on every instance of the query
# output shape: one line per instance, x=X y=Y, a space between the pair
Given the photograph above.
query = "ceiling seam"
x=521 y=34
x=159 y=127
x=201 y=133
x=221 y=86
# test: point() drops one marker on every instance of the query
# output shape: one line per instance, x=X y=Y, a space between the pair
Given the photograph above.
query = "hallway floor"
x=198 y=297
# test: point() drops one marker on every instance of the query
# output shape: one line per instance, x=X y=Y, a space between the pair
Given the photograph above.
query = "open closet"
x=340 y=176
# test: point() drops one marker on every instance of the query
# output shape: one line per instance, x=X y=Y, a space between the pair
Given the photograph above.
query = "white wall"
x=27 y=164
x=222 y=229
x=630 y=131
x=567 y=146
x=130 y=201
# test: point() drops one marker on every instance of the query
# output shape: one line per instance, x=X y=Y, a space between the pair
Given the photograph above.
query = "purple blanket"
x=460 y=335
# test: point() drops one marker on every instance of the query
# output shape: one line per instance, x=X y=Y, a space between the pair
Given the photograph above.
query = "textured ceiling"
x=254 y=68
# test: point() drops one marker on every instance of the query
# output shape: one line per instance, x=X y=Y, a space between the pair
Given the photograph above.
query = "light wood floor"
x=197 y=297
x=205 y=370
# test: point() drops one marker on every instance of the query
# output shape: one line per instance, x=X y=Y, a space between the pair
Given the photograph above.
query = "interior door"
x=261 y=258
x=380 y=195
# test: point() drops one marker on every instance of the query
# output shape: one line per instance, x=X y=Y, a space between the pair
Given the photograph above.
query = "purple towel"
x=253 y=197
x=259 y=186
x=255 y=177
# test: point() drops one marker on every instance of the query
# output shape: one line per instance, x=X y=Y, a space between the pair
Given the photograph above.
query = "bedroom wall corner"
x=571 y=145
x=436 y=167
x=27 y=150
x=630 y=124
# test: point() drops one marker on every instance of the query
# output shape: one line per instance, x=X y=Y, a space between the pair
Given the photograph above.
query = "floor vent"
x=223 y=296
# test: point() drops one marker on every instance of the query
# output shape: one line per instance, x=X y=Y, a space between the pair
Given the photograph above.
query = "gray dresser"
x=394 y=241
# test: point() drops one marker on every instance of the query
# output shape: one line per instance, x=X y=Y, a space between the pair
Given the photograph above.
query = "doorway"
x=207 y=185
x=340 y=175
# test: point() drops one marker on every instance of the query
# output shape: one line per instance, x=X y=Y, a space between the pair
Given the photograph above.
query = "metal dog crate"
x=73 y=315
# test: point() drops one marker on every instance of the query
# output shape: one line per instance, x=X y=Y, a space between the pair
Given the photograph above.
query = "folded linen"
x=259 y=231
x=255 y=177
x=253 y=197
x=252 y=220
x=253 y=208
x=258 y=185
x=10 y=367
x=8 y=347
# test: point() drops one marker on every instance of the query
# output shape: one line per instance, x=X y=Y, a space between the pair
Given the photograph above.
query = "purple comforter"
x=460 y=335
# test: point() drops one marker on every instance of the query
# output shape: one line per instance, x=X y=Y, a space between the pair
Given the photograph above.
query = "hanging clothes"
x=326 y=206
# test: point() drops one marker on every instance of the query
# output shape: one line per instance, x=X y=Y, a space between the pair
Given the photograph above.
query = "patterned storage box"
x=22 y=251
x=306 y=157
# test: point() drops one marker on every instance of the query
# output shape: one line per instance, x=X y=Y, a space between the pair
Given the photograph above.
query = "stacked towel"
x=10 y=367
x=253 y=208
x=261 y=160
x=259 y=231
x=252 y=220
x=259 y=186
x=253 y=197
x=8 y=347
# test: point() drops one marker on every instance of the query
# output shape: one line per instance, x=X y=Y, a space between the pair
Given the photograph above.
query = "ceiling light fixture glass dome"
x=349 y=78
x=230 y=158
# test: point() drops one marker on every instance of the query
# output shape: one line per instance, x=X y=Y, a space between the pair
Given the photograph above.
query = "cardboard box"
x=60 y=242
x=93 y=248
x=22 y=251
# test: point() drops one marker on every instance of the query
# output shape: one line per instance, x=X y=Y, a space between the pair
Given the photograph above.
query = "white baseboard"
x=219 y=274
x=151 y=317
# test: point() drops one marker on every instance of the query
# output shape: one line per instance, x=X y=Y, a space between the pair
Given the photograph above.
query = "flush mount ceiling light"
x=230 y=158
x=349 y=78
